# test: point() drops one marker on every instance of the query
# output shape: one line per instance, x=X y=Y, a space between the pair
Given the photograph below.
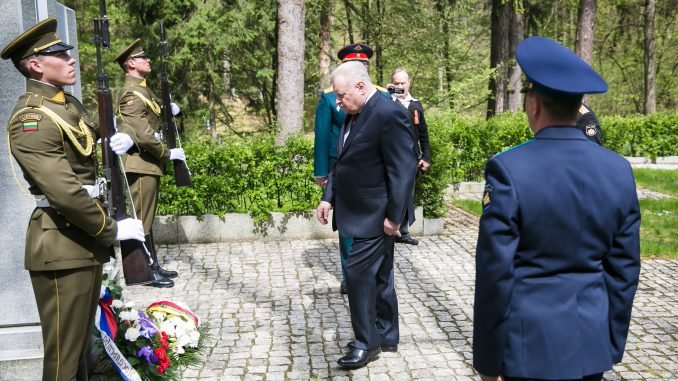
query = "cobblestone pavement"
x=274 y=311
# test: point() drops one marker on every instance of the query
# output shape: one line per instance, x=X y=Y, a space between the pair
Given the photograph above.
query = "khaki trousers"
x=67 y=301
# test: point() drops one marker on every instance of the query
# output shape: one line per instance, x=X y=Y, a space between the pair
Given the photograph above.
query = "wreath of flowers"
x=156 y=343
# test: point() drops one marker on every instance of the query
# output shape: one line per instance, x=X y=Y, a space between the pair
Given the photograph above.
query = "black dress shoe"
x=407 y=240
x=167 y=273
x=358 y=358
x=160 y=281
x=384 y=347
x=344 y=287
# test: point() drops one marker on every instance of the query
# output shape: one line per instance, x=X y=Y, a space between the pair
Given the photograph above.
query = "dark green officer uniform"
x=69 y=235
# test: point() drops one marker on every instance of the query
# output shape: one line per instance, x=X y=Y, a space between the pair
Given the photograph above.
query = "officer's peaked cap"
x=355 y=52
x=554 y=70
x=41 y=38
x=132 y=50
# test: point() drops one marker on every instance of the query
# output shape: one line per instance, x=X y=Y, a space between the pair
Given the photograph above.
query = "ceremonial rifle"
x=182 y=175
x=135 y=260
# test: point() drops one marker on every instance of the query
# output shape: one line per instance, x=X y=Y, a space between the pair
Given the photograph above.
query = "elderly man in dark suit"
x=369 y=188
x=558 y=254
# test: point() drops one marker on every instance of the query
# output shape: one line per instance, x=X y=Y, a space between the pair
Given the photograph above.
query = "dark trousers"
x=344 y=249
x=593 y=377
x=371 y=292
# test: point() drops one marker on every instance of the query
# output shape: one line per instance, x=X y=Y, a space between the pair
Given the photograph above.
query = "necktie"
x=350 y=126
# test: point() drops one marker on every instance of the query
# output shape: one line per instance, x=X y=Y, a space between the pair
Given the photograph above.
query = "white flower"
x=129 y=304
x=132 y=334
x=168 y=327
x=158 y=316
x=116 y=303
x=179 y=350
x=131 y=315
x=195 y=338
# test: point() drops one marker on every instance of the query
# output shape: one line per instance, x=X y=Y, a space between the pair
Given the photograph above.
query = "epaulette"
x=583 y=109
x=328 y=90
x=34 y=100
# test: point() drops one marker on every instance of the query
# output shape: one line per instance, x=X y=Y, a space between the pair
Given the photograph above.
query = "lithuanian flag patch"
x=30 y=121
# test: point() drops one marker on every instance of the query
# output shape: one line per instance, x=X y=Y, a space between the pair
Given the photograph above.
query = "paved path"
x=274 y=311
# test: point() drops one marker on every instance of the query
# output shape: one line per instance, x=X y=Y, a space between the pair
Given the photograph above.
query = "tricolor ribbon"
x=105 y=323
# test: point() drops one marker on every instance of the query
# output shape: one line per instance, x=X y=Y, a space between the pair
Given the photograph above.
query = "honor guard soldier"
x=329 y=118
x=558 y=254
x=69 y=235
x=138 y=108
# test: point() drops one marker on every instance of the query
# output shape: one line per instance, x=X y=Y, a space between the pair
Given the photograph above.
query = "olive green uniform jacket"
x=75 y=231
x=138 y=109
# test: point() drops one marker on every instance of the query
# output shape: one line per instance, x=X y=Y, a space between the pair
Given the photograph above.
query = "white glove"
x=177 y=154
x=129 y=228
x=175 y=108
x=120 y=143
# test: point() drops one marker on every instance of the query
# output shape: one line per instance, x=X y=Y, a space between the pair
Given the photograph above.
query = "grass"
x=472 y=206
x=659 y=224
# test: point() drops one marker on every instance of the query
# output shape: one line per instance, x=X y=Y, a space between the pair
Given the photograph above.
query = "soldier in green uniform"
x=69 y=235
x=329 y=118
x=138 y=108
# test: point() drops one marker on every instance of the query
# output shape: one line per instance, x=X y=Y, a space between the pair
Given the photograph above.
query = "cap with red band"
x=355 y=52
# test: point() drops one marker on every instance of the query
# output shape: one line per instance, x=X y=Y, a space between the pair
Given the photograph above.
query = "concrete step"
x=20 y=338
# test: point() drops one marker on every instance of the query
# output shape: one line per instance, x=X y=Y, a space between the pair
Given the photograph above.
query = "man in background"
x=400 y=92
x=558 y=254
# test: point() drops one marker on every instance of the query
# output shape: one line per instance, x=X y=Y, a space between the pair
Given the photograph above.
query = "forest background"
x=224 y=55
x=248 y=76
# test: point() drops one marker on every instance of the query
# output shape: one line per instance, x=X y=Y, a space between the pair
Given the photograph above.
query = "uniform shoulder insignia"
x=487 y=195
x=383 y=90
x=583 y=110
x=328 y=90
x=30 y=121
x=128 y=100
x=591 y=130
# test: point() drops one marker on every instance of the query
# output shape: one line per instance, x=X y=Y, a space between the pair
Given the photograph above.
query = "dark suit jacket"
x=558 y=259
x=374 y=174
x=421 y=130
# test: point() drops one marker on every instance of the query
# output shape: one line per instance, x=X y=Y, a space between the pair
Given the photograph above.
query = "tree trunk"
x=517 y=30
x=325 y=60
x=290 y=89
x=650 y=104
x=378 y=46
x=586 y=26
x=499 y=50
x=349 y=22
x=446 y=54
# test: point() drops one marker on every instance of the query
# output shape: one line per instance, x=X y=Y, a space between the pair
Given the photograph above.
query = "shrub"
x=256 y=176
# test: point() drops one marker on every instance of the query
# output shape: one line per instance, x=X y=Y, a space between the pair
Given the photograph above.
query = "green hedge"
x=650 y=136
x=253 y=175
x=246 y=175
